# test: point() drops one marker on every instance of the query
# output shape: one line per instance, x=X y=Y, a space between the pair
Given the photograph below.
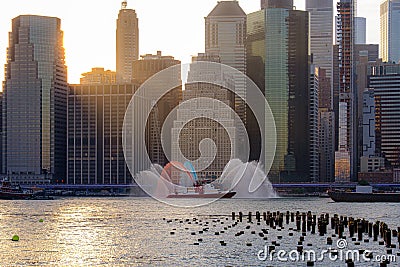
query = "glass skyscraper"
x=390 y=31
x=35 y=101
x=321 y=38
x=277 y=41
x=360 y=28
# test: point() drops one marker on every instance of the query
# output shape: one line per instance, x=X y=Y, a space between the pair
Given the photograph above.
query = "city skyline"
x=96 y=48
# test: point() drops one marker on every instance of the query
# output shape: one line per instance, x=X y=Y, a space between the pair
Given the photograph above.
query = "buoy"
x=15 y=238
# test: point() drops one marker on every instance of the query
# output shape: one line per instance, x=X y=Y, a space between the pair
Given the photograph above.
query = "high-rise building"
x=360 y=28
x=321 y=39
x=214 y=119
x=325 y=93
x=276 y=4
x=225 y=37
x=98 y=76
x=142 y=69
x=255 y=70
x=365 y=55
x=313 y=119
x=35 y=101
x=145 y=109
x=148 y=65
x=390 y=31
x=384 y=79
x=326 y=128
x=347 y=156
x=326 y=145
x=369 y=149
x=277 y=40
x=127 y=43
x=336 y=90
x=361 y=50
x=95 y=118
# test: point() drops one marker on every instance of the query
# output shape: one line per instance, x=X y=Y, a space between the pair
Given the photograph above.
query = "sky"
x=175 y=27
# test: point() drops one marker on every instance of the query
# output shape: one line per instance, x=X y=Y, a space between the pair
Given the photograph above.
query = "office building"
x=360 y=28
x=384 y=79
x=321 y=49
x=95 y=118
x=127 y=43
x=276 y=4
x=336 y=90
x=313 y=119
x=225 y=37
x=390 y=31
x=364 y=55
x=35 y=102
x=372 y=164
x=369 y=50
x=321 y=40
x=325 y=92
x=369 y=149
x=143 y=69
x=326 y=130
x=148 y=65
x=213 y=119
x=277 y=40
x=98 y=76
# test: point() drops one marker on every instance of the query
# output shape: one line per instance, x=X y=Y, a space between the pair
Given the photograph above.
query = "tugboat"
x=8 y=191
x=204 y=191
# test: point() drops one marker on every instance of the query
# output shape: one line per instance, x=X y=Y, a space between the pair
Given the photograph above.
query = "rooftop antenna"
x=124 y=5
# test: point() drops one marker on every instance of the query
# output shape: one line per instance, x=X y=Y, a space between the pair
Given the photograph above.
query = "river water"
x=133 y=232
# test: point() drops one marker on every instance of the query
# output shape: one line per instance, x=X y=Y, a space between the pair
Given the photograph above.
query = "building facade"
x=225 y=30
x=313 y=121
x=214 y=119
x=369 y=149
x=326 y=130
x=277 y=40
x=276 y=4
x=127 y=43
x=35 y=102
x=390 y=31
x=360 y=26
x=99 y=76
x=142 y=69
x=148 y=65
x=95 y=118
x=321 y=40
x=385 y=81
x=347 y=95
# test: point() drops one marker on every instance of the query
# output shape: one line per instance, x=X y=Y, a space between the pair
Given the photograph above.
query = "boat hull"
x=216 y=195
x=364 y=197
x=14 y=196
